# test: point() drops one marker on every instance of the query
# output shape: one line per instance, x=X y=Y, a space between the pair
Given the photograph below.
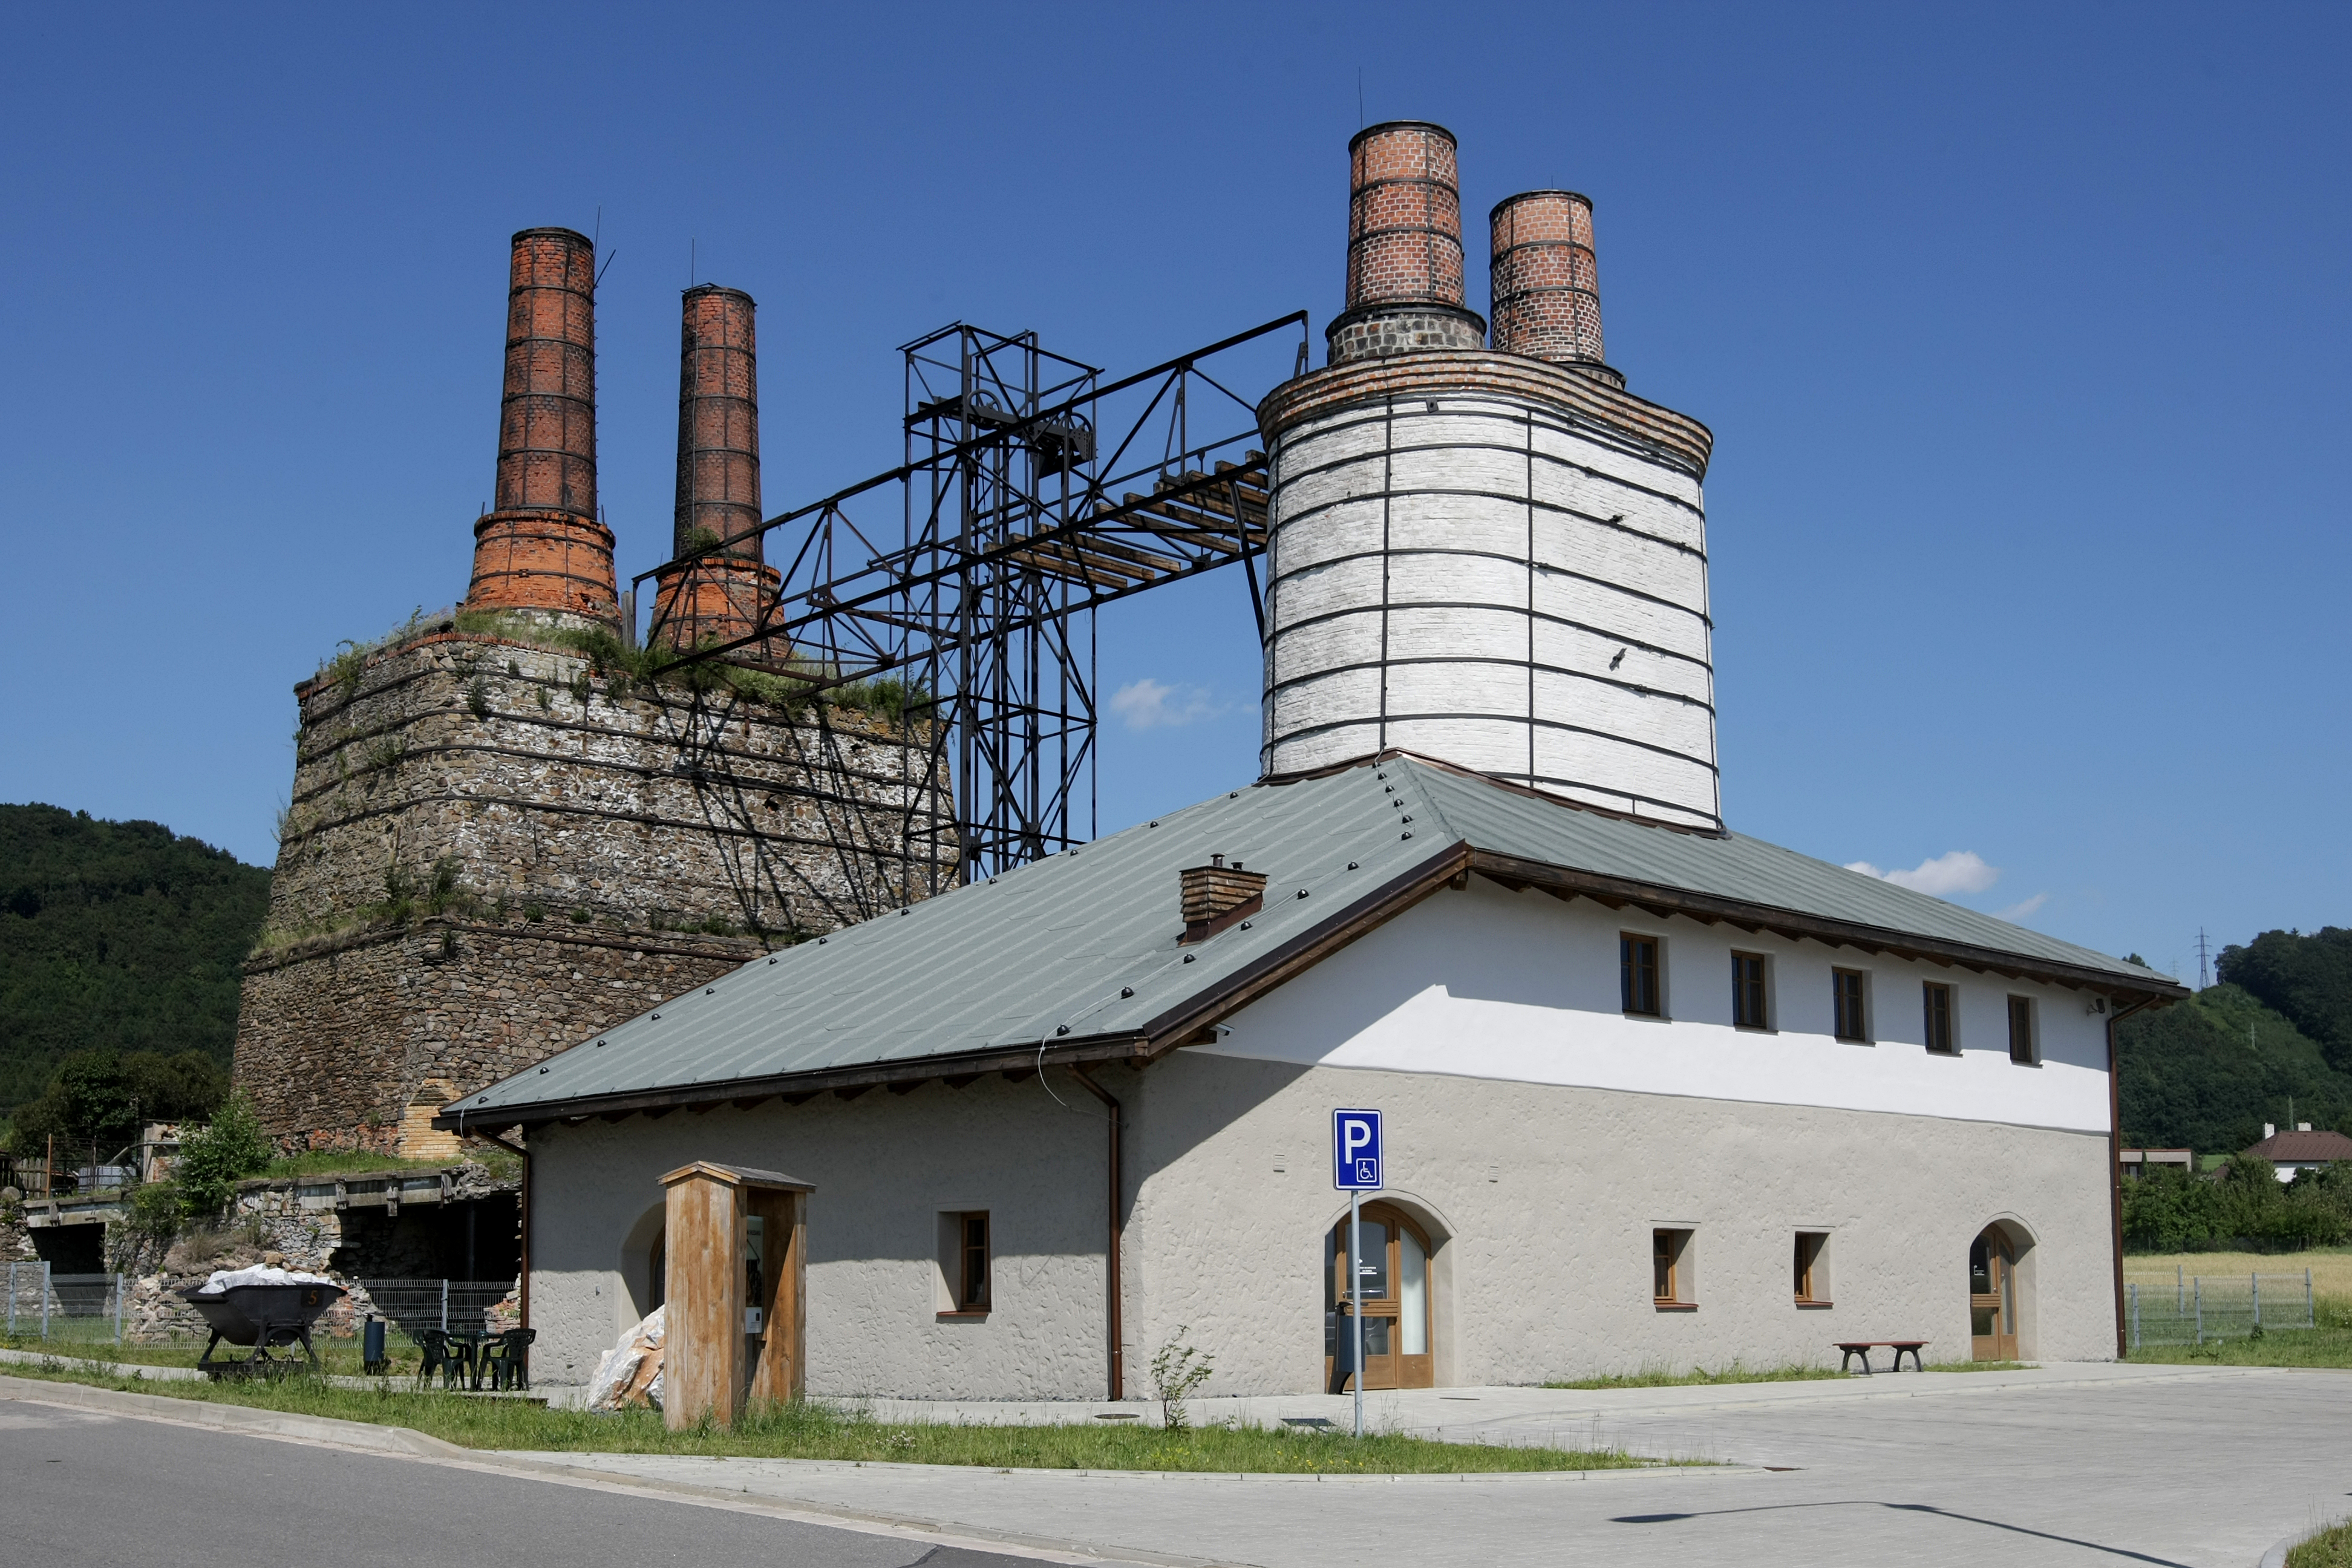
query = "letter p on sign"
x=1356 y=1150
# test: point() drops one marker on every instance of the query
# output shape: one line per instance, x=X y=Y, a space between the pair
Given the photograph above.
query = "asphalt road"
x=85 y=1490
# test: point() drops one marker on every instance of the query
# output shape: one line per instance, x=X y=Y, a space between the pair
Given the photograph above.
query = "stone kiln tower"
x=1493 y=557
x=501 y=837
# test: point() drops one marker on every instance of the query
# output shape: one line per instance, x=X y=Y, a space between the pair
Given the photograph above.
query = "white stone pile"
x=629 y=1374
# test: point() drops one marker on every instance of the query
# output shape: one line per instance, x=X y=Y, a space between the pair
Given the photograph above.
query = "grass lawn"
x=337 y=1358
x=2331 y=1548
x=2328 y=1345
x=822 y=1431
x=1661 y=1377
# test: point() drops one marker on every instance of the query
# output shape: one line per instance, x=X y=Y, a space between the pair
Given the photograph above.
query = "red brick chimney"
x=542 y=547
x=1547 y=285
x=1216 y=896
x=1404 y=247
x=717 y=596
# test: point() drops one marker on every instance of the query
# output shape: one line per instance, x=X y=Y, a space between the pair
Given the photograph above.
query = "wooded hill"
x=117 y=936
x=2272 y=1043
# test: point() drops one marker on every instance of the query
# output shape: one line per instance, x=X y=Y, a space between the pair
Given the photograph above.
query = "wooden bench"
x=1852 y=1348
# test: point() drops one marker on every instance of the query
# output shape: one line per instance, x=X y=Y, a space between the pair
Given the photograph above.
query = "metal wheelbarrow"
x=265 y=1318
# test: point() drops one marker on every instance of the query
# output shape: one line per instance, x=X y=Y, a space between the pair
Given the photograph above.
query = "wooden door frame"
x=2000 y=1271
x=1410 y=1371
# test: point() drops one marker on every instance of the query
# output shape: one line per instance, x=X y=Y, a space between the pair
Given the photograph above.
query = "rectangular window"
x=1637 y=963
x=971 y=1258
x=1937 y=1001
x=1812 y=1275
x=1748 y=996
x=2020 y=1031
x=1670 y=1272
x=1849 y=989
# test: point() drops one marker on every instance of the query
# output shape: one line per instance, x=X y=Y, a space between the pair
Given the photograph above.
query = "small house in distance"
x=2301 y=1149
x=1656 y=1092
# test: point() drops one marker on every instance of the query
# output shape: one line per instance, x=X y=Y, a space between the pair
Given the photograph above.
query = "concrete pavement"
x=2179 y=1467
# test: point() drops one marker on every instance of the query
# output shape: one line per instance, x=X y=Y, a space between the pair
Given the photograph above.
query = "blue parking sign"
x=1356 y=1150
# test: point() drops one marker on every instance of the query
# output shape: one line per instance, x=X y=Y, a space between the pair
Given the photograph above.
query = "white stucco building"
x=1656 y=1092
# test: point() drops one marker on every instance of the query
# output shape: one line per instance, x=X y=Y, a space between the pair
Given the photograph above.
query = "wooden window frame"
x=1762 y=1022
x=1949 y=1025
x=2022 y=1018
x=1810 y=1259
x=1630 y=973
x=967 y=1273
x=1861 y=978
x=1670 y=1268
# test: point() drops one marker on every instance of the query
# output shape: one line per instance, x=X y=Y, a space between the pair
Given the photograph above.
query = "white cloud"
x=2023 y=908
x=1148 y=704
x=1956 y=871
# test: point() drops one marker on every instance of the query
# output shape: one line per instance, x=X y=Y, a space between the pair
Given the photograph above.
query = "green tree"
x=217 y=1156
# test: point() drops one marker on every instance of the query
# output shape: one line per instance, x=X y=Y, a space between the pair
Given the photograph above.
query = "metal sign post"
x=1356 y=1170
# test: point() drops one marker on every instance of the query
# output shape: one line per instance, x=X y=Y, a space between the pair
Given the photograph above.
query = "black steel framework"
x=1033 y=493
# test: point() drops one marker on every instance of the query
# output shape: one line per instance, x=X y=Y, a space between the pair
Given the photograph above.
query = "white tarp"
x=630 y=1373
x=259 y=1274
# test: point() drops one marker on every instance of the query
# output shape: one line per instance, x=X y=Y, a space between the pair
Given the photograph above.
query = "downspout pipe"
x=524 y=1154
x=1111 y=1289
x=2116 y=1168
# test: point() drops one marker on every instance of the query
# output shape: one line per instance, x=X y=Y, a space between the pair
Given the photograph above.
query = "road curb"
x=362 y=1435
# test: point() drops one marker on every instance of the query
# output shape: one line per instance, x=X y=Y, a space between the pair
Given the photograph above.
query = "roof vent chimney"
x=719 y=596
x=1404 y=247
x=1217 y=895
x=544 y=548
x=2269 y=1130
x=2303 y=1126
x=1547 y=284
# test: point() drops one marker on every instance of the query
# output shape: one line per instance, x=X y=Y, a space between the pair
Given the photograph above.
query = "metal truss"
x=959 y=587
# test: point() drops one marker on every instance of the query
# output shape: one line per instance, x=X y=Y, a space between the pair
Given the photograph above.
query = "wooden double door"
x=1992 y=1296
x=1399 y=1327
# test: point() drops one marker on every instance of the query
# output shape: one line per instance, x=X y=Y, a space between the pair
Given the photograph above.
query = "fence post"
x=117 y=1307
x=2134 y=1317
x=444 y=1306
x=2179 y=1290
x=12 y=1299
x=45 y=1298
x=2257 y=1280
x=2309 y=1321
x=2197 y=1289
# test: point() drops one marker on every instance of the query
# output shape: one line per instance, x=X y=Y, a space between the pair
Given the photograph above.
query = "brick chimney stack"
x=542 y=548
x=1216 y=896
x=1404 y=247
x=718 y=596
x=1547 y=285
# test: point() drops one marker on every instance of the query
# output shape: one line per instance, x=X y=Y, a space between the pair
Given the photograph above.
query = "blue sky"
x=2021 y=330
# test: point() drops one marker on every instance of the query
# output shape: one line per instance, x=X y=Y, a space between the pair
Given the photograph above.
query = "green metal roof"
x=1075 y=957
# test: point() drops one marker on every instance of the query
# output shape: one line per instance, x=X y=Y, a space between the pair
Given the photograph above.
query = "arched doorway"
x=1398 y=1325
x=1992 y=1296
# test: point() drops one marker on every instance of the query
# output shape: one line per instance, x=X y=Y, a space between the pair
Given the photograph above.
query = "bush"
x=2245 y=1206
x=215 y=1159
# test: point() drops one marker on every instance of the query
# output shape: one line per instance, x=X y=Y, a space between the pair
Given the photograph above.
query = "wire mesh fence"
x=2178 y=1307
x=82 y=1309
x=460 y=1306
